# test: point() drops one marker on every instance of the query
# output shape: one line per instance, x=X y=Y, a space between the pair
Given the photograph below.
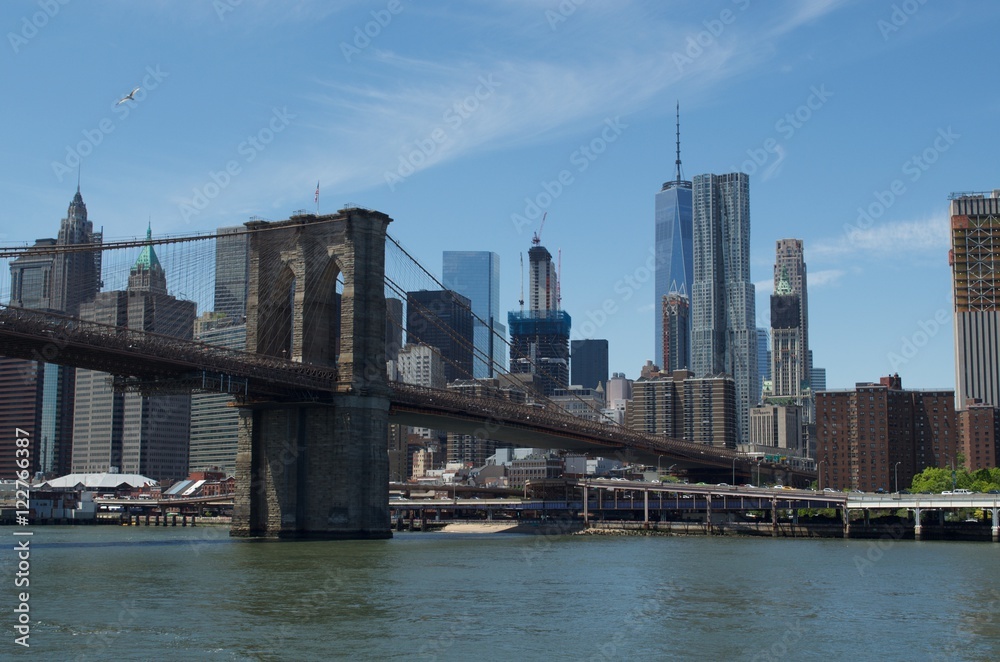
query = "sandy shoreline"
x=478 y=527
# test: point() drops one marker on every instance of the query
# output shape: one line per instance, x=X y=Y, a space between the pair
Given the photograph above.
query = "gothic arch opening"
x=275 y=331
x=322 y=324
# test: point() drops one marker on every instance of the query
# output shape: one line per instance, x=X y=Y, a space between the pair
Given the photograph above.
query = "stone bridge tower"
x=313 y=466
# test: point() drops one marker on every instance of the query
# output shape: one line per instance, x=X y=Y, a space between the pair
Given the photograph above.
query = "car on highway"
x=829 y=489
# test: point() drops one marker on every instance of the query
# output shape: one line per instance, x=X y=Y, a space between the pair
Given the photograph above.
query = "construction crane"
x=537 y=238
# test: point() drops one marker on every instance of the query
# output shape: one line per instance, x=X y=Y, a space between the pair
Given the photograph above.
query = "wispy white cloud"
x=804 y=13
x=454 y=109
x=824 y=277
x=898 y=238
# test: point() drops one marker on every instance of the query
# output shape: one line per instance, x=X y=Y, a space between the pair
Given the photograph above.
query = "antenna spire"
x=678 y=161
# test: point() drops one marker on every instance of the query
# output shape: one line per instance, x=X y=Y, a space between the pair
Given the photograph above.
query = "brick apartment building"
x=870 y=437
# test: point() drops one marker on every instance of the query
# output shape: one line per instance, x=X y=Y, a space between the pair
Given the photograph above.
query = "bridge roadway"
x=145 y=360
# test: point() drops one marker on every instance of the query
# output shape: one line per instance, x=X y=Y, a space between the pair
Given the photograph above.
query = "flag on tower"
x=317 y=192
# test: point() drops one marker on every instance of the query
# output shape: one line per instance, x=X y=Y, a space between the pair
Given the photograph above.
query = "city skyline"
x=526 y=111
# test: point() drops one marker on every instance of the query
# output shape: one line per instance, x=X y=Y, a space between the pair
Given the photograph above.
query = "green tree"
x=932 y=479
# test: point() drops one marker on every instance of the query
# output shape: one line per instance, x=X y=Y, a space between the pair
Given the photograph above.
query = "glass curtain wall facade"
x=724 y=329
x=476 y=276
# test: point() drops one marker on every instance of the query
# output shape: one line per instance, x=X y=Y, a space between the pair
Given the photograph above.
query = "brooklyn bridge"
x=311 y=387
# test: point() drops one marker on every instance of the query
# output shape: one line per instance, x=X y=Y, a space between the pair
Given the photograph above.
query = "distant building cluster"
x=717 y=378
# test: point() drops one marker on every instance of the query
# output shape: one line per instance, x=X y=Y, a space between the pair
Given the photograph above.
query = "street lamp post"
x=895 y=475
x=758 y=471
x=734 y=471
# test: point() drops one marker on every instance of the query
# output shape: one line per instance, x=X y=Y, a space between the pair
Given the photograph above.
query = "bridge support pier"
x=917 y=528
x=996 y=524
x=317 y=466
x=313 y=471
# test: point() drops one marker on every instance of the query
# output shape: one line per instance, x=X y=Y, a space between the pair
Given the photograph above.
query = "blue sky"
x=465 y=121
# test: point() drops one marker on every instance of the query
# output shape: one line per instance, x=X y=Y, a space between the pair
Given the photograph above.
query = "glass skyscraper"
x=674 y=263
x=723 y=318
x=476 y=276
x=442 y=319
x=589 y=363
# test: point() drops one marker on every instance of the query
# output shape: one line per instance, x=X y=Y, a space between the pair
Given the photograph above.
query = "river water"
x=139 y=593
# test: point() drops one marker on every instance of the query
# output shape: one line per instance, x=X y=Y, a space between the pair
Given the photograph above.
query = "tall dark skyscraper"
x=37 y=396
x=136 y=433
x=724 y=329
x=232 y=272
x=674 y=270
x=476 y=275
x=442 y=319
x=539 y=337
x=589 y=363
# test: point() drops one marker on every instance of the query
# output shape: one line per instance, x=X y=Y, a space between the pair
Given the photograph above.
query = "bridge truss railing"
x=152 y=354
x=558 y=421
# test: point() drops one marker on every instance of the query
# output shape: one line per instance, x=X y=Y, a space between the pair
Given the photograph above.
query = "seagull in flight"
x=128 y=97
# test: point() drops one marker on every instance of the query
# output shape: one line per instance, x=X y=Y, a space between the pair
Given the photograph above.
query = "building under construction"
x=975 y=263
x=539 y=337
x=539 y=348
